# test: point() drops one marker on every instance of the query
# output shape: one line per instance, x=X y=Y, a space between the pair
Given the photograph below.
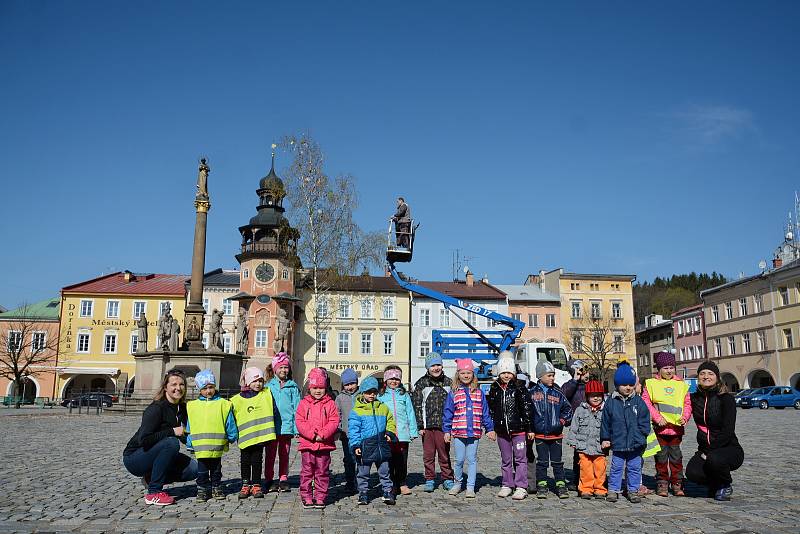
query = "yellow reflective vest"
x=254 y=418
x=207 y=427
x=668 y=397
x=652 y=447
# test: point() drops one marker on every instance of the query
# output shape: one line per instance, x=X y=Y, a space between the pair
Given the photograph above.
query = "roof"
x=688 y=309
x=219 y=277
x=45 y=310
x=354 y=283
x=138 y=284
x=460 y=289
x=731 y=284
x=591 y=276
x=642 y=328
x=531 y=293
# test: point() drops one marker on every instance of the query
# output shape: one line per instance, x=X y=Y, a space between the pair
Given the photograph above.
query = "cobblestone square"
x=63 y=473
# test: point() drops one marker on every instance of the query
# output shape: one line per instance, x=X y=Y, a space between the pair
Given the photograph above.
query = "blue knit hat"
x=369 y=383
x=433 y=358
x=349 y=377
x=624 y=376
x=204 y=378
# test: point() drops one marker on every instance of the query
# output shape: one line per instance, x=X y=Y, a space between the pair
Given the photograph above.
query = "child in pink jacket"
x=317 y=421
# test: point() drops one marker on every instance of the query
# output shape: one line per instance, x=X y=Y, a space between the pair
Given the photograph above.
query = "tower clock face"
x=265 y=272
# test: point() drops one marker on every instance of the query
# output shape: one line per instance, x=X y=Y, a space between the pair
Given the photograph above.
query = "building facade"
x=429 y=315
x=652 y=337
x=689 y=333
x=29 y=337
x=99 y=334
x=539 y=310
x=219 y=286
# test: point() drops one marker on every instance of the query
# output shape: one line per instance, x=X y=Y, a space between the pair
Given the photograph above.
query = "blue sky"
x=623 y=137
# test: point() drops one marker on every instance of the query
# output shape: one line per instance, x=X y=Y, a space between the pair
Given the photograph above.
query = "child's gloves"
x=605 y=445
x=492 y=435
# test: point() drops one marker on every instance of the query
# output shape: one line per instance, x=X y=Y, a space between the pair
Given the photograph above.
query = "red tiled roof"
x=139 y=284
x=693 y=307
x=479 y=291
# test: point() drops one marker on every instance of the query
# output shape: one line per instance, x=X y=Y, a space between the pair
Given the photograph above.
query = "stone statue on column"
x=242 y=332
x=175 y=329
x=202 y=179
x=165 y=329
x=283 y=327
x=141 y=344
x=215 y=331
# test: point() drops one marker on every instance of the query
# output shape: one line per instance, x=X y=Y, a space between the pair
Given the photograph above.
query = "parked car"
x=742 y=393
x=90 y=399
x=775 y=397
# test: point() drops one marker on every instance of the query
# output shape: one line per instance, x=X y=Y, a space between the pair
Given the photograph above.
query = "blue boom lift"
x=451 y=344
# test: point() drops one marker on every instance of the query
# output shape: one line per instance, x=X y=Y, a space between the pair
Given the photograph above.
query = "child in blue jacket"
x=625 y=427
x=395 y=397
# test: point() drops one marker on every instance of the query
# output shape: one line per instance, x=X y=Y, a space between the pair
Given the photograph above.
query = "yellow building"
x=361 y=322
x=594 y=305
x=99 y=334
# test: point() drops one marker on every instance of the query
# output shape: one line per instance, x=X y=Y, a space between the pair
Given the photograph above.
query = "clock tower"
x=267 y=272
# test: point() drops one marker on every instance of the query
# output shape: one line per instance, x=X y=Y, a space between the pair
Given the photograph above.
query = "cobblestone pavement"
x=64 y=473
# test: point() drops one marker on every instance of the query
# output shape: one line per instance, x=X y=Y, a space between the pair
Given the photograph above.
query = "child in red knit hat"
x=584 y=437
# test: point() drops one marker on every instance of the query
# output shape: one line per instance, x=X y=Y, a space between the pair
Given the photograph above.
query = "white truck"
x=528 y=354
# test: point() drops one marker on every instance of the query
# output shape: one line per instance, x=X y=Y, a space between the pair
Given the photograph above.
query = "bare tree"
x=331 y=245
x=28 y=348
x=598 y=342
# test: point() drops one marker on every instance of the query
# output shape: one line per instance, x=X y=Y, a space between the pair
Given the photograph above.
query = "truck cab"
x=528 y=354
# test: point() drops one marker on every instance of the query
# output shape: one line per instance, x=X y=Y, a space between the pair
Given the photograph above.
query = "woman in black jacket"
x=153 y=451
x=719 y=452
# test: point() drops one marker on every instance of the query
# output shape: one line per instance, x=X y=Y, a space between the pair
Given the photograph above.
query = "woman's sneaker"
x=244 y=492
x=159 y=499
x=723 y=494
x=255 y=491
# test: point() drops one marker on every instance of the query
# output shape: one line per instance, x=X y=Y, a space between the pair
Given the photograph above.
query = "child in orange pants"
x=584 y=437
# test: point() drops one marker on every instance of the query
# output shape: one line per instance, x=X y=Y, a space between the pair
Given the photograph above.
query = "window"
x=134 y=342
x=205 y=305
x=38 y=340
x=139 y=307
x=285 y=274
x=680 y=328
x=424 y=348
x=699 y=352
x=697 y=324
x=576 y=310
x=83 y=342
x=14 y=341
x=322 y=307
x=718 y=348
x=689 y=328
x=597 y=342
x=691 y=353
x=227 y=307
x=516 y=316
x=261 y=339
x=729 y=310
x=576 y=343
x=322 y=342
x=533 y=319
x=345 y=308
x=226 y=343
x=112 y=309
x=743 y=306
x=344 y=342
x=618 y=344
x=424 y=317
x=245 y=274
x=715 y=313
x=757 y=303
x=388 y=344
x=746 y=342
x=550 y=320
x=388 y=308
x=682 y=354
x=616 y=310
x=444 y=317
x=366 y=308
x=366 y=343
x=787 y=338
x=731 y=345
x=110 y=343
x=595 y=310
x=762 y=340
x=472 y=318
x=784 y=292
x=86 y=308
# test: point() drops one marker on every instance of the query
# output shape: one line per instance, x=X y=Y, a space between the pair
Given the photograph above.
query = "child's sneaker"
x=542 y=491
x=430 y=485
x=160 y=499
x=662 y=488
x=561 y=490
x=634 y=497
x=612 y=496
x=363 y=499
x=217 y=493
x=283 y=485
x=319 y=505
x=307 y=505
x=388 y=498
x=587 y=496
x=447 y=485
x=244 y=492
x=519 y=494
x=504 y=492
x=455 y=489
x=255 y=491
x=203 y=494
x=470 y=493
x=677 y=490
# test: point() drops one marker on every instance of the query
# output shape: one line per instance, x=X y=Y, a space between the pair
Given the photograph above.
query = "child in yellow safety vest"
x=210 y=428
x=667 y=398
x=253 y=409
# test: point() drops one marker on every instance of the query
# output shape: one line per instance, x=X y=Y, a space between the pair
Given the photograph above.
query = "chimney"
x=541 y=280
x=129 y=277
x=777 y=262
x=470 y=279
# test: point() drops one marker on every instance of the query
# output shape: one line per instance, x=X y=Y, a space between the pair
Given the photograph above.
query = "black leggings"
x=252 y=463
x=398 y=465
x=715 y=469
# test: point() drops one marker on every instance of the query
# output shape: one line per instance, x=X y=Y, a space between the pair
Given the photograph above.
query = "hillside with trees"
x=664 y=296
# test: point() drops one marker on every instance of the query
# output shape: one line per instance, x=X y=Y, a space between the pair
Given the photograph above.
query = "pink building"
x=539 y=310
x=689 y=333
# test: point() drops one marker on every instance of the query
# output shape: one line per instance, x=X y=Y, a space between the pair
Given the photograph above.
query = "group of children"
x=376 y=424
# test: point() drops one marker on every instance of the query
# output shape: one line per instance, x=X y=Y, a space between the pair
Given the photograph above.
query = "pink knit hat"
x=465 y=365
x=279 y=360
x=393 y=373
x=250 y=375
x=317 y=378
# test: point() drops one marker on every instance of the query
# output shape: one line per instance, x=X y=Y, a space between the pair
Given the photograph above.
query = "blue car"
x=775 y=397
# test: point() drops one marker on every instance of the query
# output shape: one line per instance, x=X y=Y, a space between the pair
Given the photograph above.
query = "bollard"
x=70 y=408
x=98 y=407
